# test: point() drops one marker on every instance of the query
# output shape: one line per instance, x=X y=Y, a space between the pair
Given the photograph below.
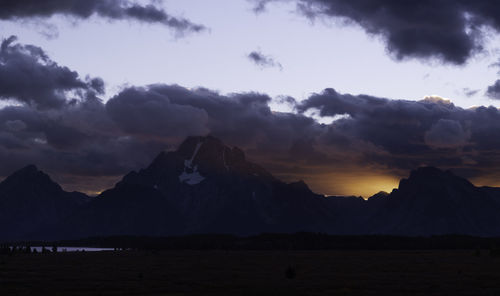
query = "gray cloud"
x=403 y=134
x=150 y=113
x=109 y=9
x=263 y=61
x=493 y=90
x=446 y=133
x=447 y=30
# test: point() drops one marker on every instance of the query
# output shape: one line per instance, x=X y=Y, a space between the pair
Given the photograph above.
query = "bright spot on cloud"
x=315 y=114
x=437 y=99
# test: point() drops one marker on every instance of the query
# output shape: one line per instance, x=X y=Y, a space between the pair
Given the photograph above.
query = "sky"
x=346 y=95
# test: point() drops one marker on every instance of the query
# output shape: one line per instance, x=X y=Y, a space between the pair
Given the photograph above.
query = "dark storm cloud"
x=76 y=141
x=83 y=9
x=143 y=112
x=446 y=133
x=243 y=119
x=493 y=90
x=29 y=76
x=263 y=60
x=405 y=134
x=447 y=30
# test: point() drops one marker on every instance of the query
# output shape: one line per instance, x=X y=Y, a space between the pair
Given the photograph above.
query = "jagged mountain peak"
x=28 y=177
x=430 y=172
x=431 y=178
x=210 y=144
x=199 y=158
x=432 y=201
x=30 y=168
x=30 y=200
x=194 y=148
x=300 y=186
x=379 y=196
x=27 y=171
x=209 y=149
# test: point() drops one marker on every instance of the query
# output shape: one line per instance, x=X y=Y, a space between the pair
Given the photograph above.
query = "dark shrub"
x=290 y=272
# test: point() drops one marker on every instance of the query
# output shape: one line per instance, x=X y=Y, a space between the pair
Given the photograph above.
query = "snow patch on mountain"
x=190 y=174
x=191 y=178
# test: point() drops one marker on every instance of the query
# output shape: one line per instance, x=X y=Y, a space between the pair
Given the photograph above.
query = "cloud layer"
x=58 y=122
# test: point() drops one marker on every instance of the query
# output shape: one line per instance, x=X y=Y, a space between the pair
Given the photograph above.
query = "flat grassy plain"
x=212 y=272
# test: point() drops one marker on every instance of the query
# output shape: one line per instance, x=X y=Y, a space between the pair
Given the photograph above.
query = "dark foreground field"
x=358 y=272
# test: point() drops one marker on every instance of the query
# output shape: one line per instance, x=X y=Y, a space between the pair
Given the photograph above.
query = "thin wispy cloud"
x=110 y=10
x=470 y=92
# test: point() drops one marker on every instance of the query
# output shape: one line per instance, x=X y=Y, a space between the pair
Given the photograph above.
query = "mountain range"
x=207 y=187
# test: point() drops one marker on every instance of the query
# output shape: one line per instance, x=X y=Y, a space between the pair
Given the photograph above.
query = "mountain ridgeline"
x=207 y=187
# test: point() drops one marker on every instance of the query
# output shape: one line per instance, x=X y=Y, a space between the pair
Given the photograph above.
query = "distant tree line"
x=297 y=241
x=6 y=249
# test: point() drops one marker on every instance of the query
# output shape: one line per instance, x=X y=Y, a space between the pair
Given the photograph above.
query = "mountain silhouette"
x=30 y=200
x=436 y=202
x=202 y=187
x=207 y=187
